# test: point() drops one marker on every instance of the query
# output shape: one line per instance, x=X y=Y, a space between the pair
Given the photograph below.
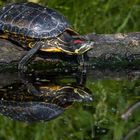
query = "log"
x=108 y=51
x=115 y=51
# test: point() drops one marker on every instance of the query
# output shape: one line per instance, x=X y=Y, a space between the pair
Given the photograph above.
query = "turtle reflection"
x=17 y=102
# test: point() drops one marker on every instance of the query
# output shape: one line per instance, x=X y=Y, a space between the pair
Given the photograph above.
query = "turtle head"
x=80 y=46
x=74 y=44
x=74 y=93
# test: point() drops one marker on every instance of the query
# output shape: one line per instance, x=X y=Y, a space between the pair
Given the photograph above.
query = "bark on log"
x=115 y=50
x=122 y=44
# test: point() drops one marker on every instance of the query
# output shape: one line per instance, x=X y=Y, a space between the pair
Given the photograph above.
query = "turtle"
x=20 y=106
x=48 y=92
x=40 y=28
x=17 y=103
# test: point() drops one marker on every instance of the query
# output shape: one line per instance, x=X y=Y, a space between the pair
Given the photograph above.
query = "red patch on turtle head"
x=78 y=41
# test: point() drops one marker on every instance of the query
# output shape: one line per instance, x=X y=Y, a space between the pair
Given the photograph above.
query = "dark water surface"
x=104 y=104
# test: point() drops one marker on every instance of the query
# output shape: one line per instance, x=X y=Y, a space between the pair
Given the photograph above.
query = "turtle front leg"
x=84 y=47
x=26 y=59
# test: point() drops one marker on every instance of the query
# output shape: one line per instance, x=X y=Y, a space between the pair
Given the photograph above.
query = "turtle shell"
x=30 y=111
x=32 y=20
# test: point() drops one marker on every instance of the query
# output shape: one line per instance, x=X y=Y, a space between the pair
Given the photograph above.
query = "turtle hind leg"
x=26 y=59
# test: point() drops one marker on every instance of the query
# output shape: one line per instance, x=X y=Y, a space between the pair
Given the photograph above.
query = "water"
x=104 y=104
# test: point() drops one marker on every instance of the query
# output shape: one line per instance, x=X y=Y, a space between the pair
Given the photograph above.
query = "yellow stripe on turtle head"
x=52 y=49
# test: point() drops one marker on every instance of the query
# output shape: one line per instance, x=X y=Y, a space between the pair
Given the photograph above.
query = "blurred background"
x=99 y=16
x=86 y=123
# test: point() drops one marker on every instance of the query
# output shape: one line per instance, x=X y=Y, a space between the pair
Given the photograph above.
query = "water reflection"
x=36 y=97
x=114 y=114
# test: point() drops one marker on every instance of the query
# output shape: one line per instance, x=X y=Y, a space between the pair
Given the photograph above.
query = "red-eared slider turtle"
x=18 y=103
x=39 y=28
